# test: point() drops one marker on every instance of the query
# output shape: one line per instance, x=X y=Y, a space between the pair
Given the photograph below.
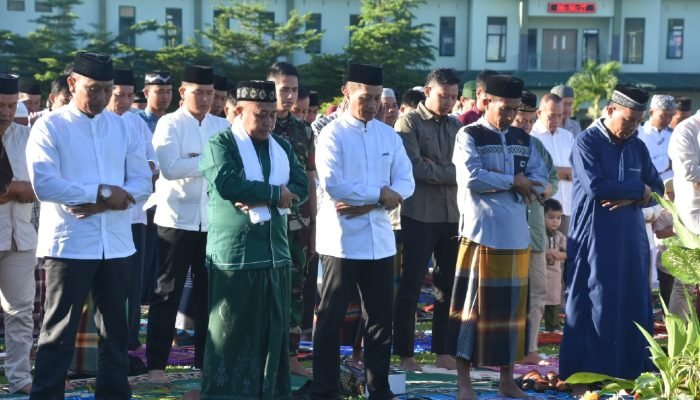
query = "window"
x=634 y=41
x=42 y=6
x=354 y=21
x=532 y=48
x=447 y=36
x=173 y=18
x=267 y=21
x=127 y=18
x=314 y=23
x=591 y=49
x=496 y=39
x=15 y=5
x=217 y=14
x=675 y=39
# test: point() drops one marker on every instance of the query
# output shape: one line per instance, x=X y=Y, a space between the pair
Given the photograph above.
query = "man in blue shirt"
x=499 y=172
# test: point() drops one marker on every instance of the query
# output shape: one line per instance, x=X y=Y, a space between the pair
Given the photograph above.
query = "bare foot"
x=446 y=361
x=295 y=368
x=533 y=358
x=509 y=388
x=26 y=389
x=409 y=364
x=157 y=376
x=191 y=395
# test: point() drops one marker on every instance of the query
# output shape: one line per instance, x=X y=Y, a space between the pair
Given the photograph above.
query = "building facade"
x=545 y=39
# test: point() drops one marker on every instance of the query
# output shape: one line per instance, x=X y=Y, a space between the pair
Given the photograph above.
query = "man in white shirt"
x=17 y=244
x=656 y=134
x=120 y=103
x=558 y=142
x=87 y=168
x=684 y=151
x=363 y=172
x=181 y=216
x=566 y=93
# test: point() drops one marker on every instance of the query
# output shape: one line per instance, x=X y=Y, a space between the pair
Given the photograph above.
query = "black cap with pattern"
x=258 y=91
x=528 y=102
x=630 y=97
x=158 y=78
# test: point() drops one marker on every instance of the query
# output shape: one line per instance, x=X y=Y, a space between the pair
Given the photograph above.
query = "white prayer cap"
x=662 y=102
x=21 y=111
x=388 y=92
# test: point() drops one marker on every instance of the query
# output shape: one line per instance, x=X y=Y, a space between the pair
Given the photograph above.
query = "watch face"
x=106 y=192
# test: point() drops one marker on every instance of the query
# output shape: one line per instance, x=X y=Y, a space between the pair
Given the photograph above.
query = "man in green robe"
x=254 y=179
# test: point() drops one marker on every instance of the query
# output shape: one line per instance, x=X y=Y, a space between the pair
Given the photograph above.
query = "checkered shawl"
x=488 y=314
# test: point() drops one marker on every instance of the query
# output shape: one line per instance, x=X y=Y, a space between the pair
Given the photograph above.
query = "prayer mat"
x=179 y=355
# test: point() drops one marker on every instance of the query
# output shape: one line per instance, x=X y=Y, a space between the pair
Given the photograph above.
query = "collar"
x=544 y=129
x=426 y=114
x=187 y=113
x=354 y=122
x=74 y=110
x=612 y=138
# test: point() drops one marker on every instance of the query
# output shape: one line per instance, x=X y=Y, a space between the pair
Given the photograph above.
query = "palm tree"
x=594 y=84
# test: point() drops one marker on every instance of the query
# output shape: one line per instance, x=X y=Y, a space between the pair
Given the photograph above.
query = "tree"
x=257 y=41
x=386 y=35
x=324 y=74
x=594 y=84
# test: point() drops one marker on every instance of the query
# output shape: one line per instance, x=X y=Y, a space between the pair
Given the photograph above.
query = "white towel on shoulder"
x=279 y=168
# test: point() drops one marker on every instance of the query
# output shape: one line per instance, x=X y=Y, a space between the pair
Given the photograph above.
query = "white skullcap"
x=662 y=102
x=21 y=111
x=388 y=92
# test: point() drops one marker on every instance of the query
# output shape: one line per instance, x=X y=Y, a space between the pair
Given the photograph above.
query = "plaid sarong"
x=488 y=313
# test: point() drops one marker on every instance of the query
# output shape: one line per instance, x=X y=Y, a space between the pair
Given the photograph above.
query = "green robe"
x=233 y=242
x=247 y=349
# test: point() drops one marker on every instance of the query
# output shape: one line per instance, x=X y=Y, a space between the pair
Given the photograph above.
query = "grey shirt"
x=429 y=141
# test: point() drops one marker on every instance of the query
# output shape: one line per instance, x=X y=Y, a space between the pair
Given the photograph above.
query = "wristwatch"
x=105 y=191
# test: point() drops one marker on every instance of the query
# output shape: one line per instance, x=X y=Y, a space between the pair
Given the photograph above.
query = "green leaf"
x=683 y=263
x=688 y=238
x=648 y=385
x=676 y=329
x=593 y=377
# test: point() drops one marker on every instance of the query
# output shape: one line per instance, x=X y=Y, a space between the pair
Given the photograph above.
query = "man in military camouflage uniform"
x=302 y=219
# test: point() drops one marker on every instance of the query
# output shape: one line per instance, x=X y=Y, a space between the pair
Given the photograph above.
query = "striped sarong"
x=488 y=312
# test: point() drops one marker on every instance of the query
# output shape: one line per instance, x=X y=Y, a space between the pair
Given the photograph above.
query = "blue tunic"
x=608 y=252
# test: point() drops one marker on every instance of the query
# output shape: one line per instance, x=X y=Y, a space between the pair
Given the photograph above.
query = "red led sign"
x=571 y=8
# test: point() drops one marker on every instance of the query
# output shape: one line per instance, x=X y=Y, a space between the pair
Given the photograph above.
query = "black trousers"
x=420 y=240
x=665 y=285
x=151 y=259
x=68 y=282
x=138 y=231
x=341 y=279
x=179 y=249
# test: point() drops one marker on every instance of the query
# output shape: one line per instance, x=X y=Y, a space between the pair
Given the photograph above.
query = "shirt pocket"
x=384 y=175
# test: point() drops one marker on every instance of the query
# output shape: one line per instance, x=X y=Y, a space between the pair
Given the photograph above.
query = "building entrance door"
x=559 y=49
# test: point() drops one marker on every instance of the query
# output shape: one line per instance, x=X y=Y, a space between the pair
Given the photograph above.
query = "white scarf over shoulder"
x=279 y=168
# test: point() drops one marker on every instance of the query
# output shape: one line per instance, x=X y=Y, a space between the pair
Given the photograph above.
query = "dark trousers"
x=179 y=249
x=665 y=285
x=341 y=279
x=68 y=282
x=420 y=240
x=138 y=231
x=151 y=259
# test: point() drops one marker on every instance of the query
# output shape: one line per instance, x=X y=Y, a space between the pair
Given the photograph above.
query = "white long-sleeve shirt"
x=657 y=144
x=137 y=125
x=559 y=145
x=181 y=191
x=684 y=151
x=16 y=217
x=69 y=155
x=354 y=161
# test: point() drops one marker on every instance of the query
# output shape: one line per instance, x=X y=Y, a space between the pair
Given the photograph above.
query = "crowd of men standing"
x=246 y=189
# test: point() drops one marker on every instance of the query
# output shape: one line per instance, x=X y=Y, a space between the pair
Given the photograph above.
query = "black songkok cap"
x=124 y=77
x=630 y=97
x=528 y=102
x=198 y=74
x=158 y=78
x=313 y=98
x=683 y=104
x=29 y=87
x=258 y=91
x=139 y=97
x=9 y=83
x=94 y=66
x=368 y=74
x=220 y=83
x=504 y=86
